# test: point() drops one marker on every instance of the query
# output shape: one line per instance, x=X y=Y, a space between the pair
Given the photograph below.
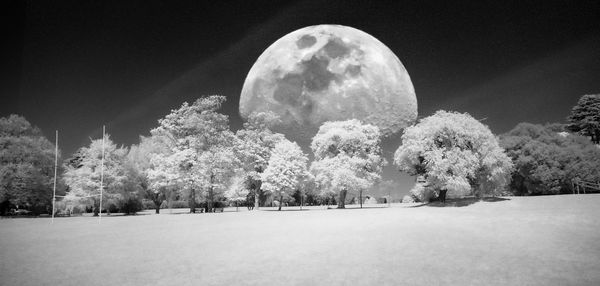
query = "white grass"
x=521 y=241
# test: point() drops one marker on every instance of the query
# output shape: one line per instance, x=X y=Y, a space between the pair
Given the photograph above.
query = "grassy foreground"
x=521 y=241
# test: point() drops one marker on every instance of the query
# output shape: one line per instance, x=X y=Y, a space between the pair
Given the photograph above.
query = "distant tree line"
x=193 y=156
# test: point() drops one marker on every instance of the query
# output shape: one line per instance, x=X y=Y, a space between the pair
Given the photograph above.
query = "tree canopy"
x=546 y=162
x=195 y=134
x=83 y=179
x=255 y=145
x=347 y=157
x=456 y=153
x=286 y=169
x=144 y=166
x=26 y=165
x=585 y=117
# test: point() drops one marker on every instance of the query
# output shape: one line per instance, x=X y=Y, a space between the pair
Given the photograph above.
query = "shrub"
x=111 y=208
x=422 y=193
x=408 y=199
x=131 y=206
x=148 y=204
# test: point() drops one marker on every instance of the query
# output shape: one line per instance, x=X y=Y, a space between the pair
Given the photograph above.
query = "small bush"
x=112 y=208
x=148 y=204
x=408 y=199
x=421 y=193
x=131 y=206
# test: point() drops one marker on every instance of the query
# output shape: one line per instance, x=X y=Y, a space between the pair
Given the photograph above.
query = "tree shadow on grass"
x=326 y=209
x=463 y=202
x=284 y=210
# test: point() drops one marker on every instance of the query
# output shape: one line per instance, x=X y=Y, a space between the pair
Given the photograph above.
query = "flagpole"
x=101 y=174
x=55 y=167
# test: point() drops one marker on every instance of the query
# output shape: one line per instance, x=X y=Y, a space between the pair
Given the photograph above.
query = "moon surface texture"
x=328 y=73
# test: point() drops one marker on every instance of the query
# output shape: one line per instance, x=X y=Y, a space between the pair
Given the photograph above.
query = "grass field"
x=519 y=241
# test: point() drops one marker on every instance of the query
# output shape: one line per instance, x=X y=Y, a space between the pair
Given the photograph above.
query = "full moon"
x=328 y=73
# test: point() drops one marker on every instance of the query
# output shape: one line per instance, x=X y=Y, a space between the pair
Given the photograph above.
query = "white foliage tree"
x=237 y=190
x=217 y=167
x=347 y=157
x=193 y=132
x=286 y=168
x=255 y=145
x=456 y=153
x=83 y=176
x=146 y=168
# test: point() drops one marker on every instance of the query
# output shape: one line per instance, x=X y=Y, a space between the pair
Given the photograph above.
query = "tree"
x=547 y=162
x=237 y=191
x=26 y=165
x=218 y=165
x=192 y=132
x=83 y=176
x=255 y=145
x=455 y=153
x=347 y=157
x=147 y=172
x=286 y=168
x=585 y=117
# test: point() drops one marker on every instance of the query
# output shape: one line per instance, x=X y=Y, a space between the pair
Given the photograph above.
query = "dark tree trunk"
x=192 y=201
x=342 y=200
x=209 y=203
x=157 y=199
x=443 y=196
x=360 y=199
x=280 y=201
x=96 y=206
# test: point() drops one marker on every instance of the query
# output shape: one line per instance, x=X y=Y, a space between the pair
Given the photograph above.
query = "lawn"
x=519 y=241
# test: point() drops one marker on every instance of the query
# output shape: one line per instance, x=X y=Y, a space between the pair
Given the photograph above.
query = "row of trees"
x=549 y=160
x=193 y=155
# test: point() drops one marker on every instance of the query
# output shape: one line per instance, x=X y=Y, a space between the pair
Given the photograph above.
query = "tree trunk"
x=192 y=201
x=209 y=203
x=280 y=201
x=96 y=207
x=443 y=196
x=256 y=198
x=360 y=198
x=342 y=200
x=157 y=201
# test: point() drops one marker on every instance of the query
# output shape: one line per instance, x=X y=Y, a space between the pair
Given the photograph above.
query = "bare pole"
x=101 y=174
x=55 y=166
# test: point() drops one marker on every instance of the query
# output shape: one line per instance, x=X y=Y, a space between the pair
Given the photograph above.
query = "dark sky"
x=76 y=65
